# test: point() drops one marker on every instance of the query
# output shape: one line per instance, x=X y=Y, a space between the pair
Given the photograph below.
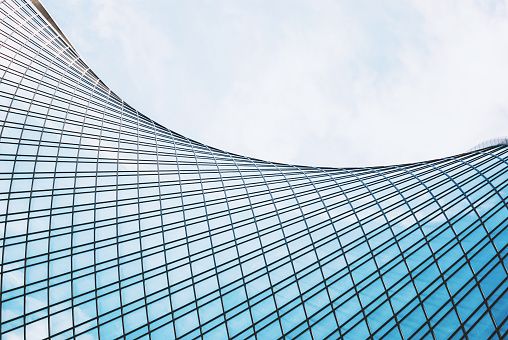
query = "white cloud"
x=322 y=83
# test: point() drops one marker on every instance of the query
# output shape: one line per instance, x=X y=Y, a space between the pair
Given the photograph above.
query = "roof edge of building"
x=490 y=142
x=37 y=4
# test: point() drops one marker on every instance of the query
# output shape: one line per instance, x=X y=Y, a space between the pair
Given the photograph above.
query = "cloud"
x=327 y=83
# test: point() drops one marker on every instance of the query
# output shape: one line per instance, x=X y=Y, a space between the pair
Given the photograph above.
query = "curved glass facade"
x=114 y=226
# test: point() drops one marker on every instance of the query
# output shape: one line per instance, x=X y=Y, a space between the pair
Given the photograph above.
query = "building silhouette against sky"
x=114 y=226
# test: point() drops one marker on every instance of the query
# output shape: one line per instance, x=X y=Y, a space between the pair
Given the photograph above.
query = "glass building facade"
x=113 y=226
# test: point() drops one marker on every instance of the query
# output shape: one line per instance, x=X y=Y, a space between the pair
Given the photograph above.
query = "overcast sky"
x=324 y=83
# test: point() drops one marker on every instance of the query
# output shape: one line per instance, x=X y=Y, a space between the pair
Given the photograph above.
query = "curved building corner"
x=112 y=226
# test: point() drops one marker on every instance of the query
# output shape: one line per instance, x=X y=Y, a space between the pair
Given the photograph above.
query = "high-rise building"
x=113 y=226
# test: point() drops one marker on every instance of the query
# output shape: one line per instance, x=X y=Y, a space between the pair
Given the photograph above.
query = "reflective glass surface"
x=112 y=225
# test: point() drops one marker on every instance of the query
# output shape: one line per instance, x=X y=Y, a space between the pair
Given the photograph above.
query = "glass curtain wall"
x=113 y=226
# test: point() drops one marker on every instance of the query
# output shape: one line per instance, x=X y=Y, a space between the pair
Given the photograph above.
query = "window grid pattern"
x=113 y=226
